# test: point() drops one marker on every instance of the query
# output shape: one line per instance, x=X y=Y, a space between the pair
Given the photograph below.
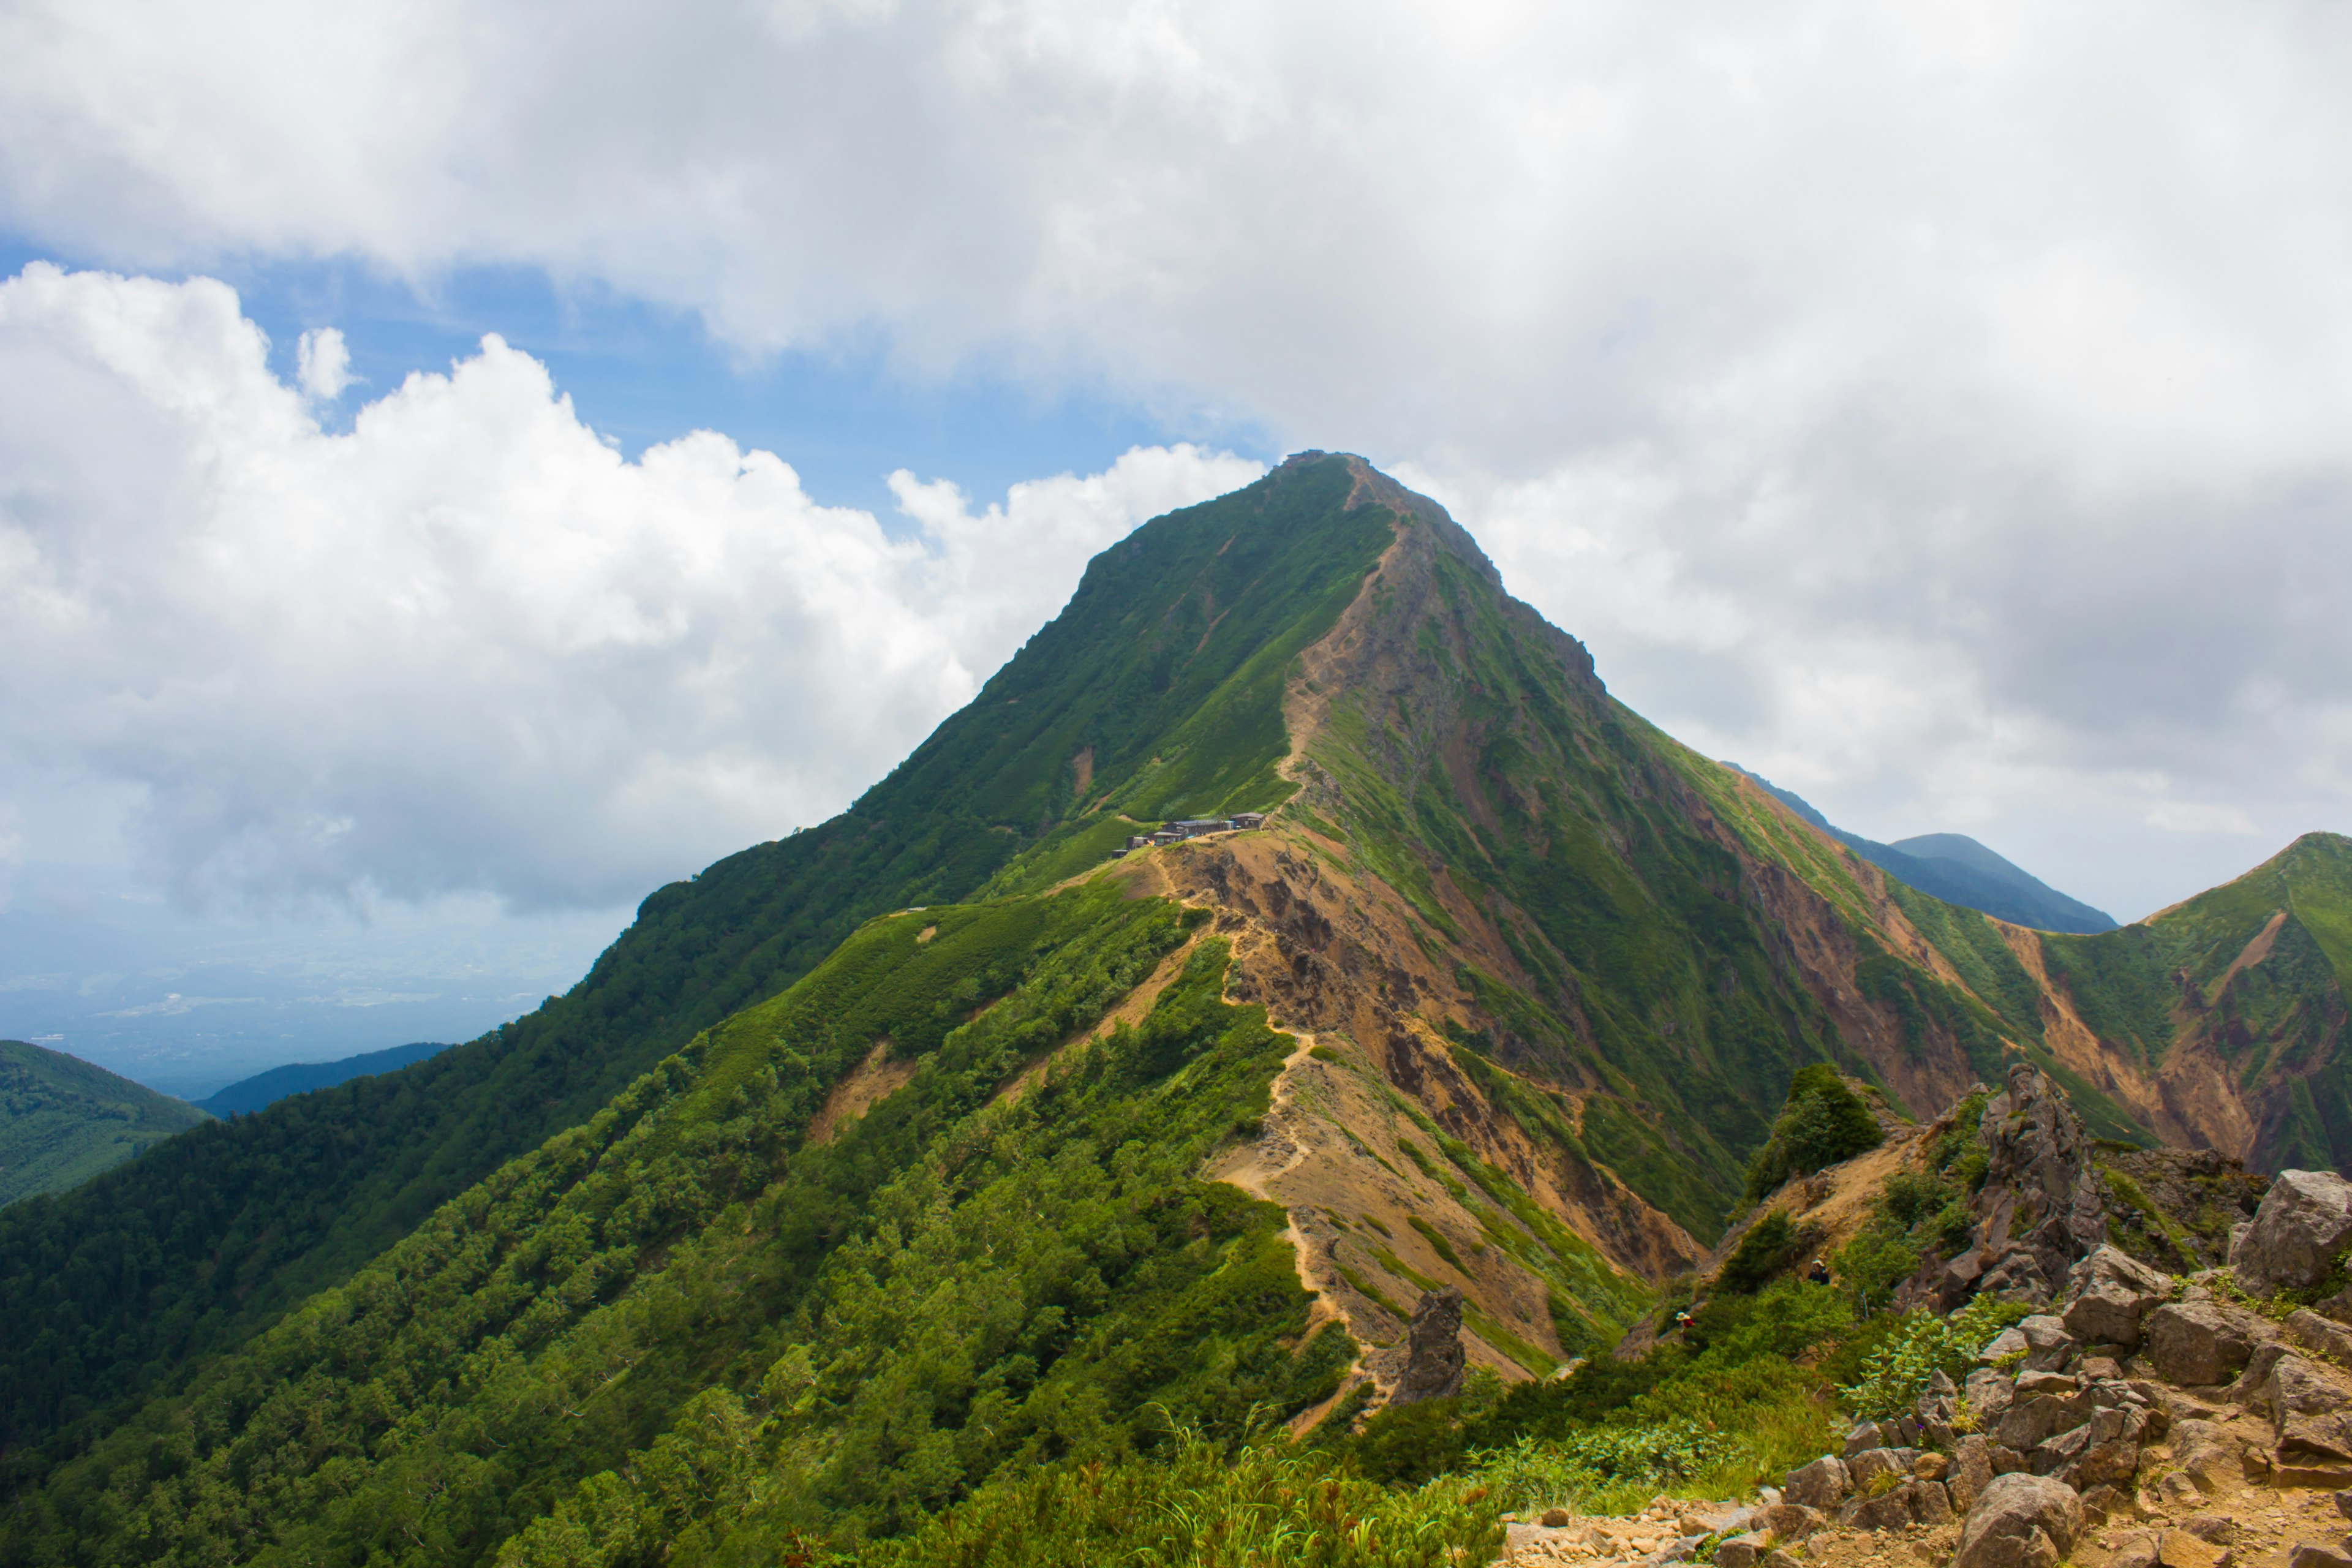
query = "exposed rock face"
x=2042 y=1207
x=1434 y=1368
x=2312 y=1417
x=2197 y=1343
x=2021 y=1521
x=2108 y=1293
x=2303 y=1223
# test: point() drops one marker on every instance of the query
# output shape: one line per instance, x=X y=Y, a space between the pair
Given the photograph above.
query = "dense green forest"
x=63 y=1121
x=954 y=1283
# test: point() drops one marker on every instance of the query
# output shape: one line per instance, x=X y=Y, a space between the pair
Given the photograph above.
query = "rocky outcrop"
x=2108 y=1293
x=2021 y=1521
x=2298 y=1235
x=2197 y=1343
x=1822 y=1485
x=2311 y=1416
x=2041 y=1207
x=1434 y=1368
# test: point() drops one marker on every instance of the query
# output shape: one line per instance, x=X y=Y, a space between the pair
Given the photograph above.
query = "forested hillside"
x=63 y=1121
x=1163 y=677
x=884 y=1168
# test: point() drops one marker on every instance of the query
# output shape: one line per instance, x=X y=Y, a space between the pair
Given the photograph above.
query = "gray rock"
x=2136 y=1550
x=2308 y=1556
x=1862 y=1439
x=2211 y=1528
x=2007 y=1342
x=2210 y=1454
x=2032 y=1422
x=1989 y=1394
x=1821 y=1485
x=2306 y=1219
x=1433 y=1365
x=2108 y=1293
x=2048 y=1342
x=2311 y=1416
x=1860 y=1467
x=2043 y=1204
x=1741 y=1551
x=2344 y=1503
x=2021 y=1521
x=2109 y=1464
x=1931 y=1504
x=1888 y=1511
x=2323 y=1336
x=2197 y=1343
x=1971 y=1471
x=2253 y=1388
x=1790 y=1521
x=2045 y=1383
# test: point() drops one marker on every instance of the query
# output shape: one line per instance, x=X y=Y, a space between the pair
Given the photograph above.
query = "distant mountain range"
x=63 y=1121
x=1958 y=869
x=250 y=1094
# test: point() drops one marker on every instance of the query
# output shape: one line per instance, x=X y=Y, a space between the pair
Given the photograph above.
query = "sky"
x=462 y=467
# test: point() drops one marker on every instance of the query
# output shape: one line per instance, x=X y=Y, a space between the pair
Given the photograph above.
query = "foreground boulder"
x=2197 y=1343
x=1821 y=1485
x=2304 y=1224
x=2107 y=1294
x=2312 y=1417
x=2021 y=1521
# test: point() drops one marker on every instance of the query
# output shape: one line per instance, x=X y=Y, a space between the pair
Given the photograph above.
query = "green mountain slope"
x=1162 y=681
x=63 y=1121
x=945 y=1145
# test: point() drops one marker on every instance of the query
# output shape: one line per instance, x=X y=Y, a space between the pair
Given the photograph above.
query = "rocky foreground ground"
x=2137 y=1418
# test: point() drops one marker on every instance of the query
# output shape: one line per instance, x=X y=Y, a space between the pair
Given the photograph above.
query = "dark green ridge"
x=247 y=1095
x=63 y=1121
x=1167 y=663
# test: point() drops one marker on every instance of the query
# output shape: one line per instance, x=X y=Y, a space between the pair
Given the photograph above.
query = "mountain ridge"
x=1501 y=998
x=1959 y=870
x=263 y=1088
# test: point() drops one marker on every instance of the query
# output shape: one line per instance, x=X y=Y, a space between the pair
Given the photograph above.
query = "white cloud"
x=467 y=646
x=323 y=363
x=2186 y=816
x=1948 y=401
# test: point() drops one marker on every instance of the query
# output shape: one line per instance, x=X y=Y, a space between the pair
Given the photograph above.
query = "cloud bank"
x=467 y=646
x=1945 y=408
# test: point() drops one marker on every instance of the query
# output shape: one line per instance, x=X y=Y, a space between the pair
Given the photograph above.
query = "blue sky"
x=844 y=415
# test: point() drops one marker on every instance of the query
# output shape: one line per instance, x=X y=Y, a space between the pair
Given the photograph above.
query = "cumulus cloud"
x=1943 y=406
x=467 y=646
x=323 y=363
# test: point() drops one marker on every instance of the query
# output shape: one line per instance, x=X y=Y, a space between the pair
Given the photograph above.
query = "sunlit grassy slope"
x=63 y=1121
